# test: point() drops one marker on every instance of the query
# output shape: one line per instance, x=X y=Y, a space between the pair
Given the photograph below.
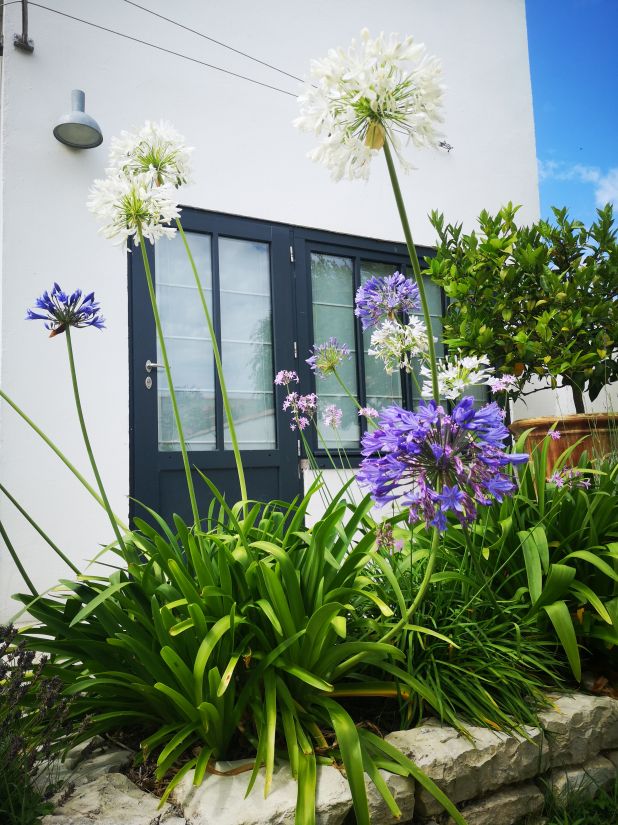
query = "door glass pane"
x=382 y=389
x=187 y=342
x=332 y=281
x=247 y=341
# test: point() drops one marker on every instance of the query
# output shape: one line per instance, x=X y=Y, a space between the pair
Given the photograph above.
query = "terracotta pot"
x=599 y=432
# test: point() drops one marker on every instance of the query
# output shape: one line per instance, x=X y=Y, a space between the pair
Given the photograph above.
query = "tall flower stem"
x=168 y=373
x=416 y=267
x=431 y=563
x=18 y=563
x=343 y=386
x=59 y=453
x=39 y=530
x=82 y=424
x=219 y=366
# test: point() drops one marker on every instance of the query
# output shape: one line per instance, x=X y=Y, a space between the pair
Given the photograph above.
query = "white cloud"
x=606 y=185
x=607 y=190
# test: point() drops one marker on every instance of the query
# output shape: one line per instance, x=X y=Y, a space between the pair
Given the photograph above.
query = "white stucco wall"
x=248 y=161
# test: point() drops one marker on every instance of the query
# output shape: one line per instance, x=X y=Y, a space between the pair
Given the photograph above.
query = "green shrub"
x=236 y=639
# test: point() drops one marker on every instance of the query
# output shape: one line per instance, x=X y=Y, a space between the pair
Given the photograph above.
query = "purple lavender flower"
x=388 y=297
x=61 y=311
x=435 y=463
x=327 y=357
x=555 y=435
x=331 y=417
x=285 y=377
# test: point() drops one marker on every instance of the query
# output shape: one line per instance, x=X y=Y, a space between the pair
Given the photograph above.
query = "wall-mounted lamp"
x=78 y=129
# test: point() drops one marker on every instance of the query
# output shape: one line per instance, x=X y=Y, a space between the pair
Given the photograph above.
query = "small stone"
x=579 y=726
x=505 y=807
x=111 y=761
x=84 y=750
x=586 y=779
x=108 y=800
x=221 y=799
x=464 y=769
x=613 y=757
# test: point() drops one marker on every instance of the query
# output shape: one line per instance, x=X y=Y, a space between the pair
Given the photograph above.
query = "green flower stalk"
x=138 y=200
x=61 y=311
x=357 y=104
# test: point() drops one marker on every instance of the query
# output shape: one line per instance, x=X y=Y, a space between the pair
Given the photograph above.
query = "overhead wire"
x=160 y=48
x=213 y=40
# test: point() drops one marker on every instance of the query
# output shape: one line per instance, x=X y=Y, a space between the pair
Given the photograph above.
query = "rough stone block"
x=579 y=726
x=109 y=800
x=221 y=799
x=585 y=779
x=506 y=807
x=402 y=789
x=465 y=769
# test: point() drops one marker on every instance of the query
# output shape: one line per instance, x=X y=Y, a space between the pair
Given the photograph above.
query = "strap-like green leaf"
x=560 y=617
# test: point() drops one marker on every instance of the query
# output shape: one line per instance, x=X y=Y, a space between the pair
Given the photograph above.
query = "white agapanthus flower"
x=456 y=374
x=379 y=89
x=156 y=149
x=126 y=204
x=397 y=344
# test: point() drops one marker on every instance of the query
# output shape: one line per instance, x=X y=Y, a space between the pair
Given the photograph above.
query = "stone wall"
x=494 y=778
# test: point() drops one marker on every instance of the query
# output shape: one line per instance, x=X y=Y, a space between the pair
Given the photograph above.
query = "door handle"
x=150 y=365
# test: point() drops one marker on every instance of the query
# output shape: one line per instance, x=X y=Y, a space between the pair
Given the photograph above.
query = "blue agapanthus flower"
x=326 y=357
x=60 y=310
x=381 y=298
x=437 y=463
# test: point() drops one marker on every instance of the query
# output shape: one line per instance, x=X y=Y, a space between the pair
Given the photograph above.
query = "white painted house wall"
x=248 y=161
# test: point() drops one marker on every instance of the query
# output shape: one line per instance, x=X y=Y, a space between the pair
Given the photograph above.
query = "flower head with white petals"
x=456 y=374
x=157 y=149
x=377 y=90
x=130 y=205
x=397 y=344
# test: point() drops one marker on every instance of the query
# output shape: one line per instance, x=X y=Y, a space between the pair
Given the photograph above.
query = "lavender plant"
x=35 y=725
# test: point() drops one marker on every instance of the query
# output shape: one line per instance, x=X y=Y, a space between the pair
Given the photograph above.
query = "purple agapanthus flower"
x=60 y=310
x=381 y=298
x=325 y=358
x=434 y=463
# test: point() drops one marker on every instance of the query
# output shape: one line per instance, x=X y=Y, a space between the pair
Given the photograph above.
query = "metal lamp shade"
x=78 y=129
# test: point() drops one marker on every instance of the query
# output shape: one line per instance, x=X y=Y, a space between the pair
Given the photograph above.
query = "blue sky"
x=574 y=68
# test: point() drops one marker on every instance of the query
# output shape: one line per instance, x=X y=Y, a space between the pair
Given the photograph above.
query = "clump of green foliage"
x=539 y=300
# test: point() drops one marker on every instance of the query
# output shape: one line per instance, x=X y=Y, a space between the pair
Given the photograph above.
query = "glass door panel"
x=247 y=341
x=332 y=281
x=187 y=342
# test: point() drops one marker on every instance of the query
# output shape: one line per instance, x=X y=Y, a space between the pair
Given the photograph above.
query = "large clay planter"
x=599 y=432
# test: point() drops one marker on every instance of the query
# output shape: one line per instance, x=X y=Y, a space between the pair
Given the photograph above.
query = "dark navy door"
x=246 y=271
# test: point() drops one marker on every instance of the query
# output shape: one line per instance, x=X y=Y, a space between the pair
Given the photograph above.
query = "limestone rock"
x=579 y=726
x=221 y=800
x=402 y=789
x=109 y=800
x=465 y=769
x=585 y=779
x=506 y=807
x=91 y=768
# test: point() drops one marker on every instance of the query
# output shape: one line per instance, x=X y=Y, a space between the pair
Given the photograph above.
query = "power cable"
x=213 y=40
x=161 y=48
